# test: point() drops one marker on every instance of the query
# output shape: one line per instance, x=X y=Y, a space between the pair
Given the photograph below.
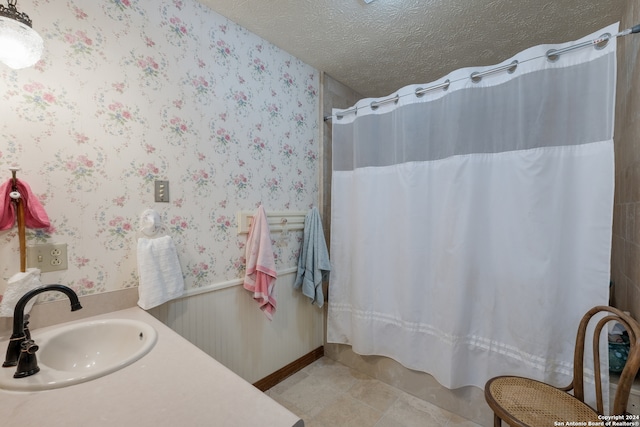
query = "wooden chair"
x=526 y=402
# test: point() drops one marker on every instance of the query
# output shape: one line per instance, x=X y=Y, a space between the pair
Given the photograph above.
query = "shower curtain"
x=471 y=225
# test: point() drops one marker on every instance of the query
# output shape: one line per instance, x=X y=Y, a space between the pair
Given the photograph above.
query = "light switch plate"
x=162 y=191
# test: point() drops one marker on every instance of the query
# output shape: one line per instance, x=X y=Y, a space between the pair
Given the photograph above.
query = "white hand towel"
x=159 y=270
x=18 y=285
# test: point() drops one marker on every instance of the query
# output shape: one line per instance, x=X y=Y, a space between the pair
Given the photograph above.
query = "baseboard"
x=270 y=380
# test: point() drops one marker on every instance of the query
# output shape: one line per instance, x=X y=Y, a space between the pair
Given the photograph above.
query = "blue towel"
x=313 y=262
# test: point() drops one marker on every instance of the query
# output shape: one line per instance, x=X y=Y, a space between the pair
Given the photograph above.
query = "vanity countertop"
x=176 y=384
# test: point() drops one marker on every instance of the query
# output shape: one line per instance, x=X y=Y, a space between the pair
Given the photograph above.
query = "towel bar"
x=278 y=220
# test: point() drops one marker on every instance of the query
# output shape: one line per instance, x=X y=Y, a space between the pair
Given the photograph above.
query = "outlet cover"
x=47 y=257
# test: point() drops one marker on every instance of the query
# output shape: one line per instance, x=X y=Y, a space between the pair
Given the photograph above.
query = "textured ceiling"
x=380 y=47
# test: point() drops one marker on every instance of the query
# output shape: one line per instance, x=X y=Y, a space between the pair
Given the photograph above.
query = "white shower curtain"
x=471 y=227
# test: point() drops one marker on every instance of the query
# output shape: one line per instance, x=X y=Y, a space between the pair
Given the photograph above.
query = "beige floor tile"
x=335 y=374
x=291 y=406
x=288 y=382
x=374 y=393
x=348 y=412
x=323 y=361
x=458 y=421
x=329 y=394
x=314 y=423
x=391 y=420
x=409 y=411
x=309 y=395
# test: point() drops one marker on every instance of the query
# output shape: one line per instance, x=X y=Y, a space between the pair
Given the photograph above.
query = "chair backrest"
x=630 y=369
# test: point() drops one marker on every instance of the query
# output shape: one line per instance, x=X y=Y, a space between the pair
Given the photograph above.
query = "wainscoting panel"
x=227 y=324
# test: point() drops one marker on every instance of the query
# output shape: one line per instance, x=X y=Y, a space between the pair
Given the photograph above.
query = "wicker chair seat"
x=523 y=402
x=526 y=402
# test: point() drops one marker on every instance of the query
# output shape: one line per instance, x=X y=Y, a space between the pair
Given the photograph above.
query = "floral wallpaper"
x=133 y=91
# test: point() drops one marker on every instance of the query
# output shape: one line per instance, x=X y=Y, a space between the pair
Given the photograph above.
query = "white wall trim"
x=229 y=283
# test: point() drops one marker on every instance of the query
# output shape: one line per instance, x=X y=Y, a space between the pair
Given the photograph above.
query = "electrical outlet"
x=47 y=257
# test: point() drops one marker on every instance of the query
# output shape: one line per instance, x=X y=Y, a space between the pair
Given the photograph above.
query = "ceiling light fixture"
x=20 y=45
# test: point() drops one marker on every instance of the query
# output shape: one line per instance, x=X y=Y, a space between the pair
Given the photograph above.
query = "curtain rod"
x=552 y=55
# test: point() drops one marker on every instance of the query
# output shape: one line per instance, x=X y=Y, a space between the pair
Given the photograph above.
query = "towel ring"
x=150 y=223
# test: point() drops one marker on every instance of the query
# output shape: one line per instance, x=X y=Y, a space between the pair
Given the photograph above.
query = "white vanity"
x=175 y=384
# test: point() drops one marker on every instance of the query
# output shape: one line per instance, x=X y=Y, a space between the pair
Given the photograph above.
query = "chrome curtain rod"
x=551 y=55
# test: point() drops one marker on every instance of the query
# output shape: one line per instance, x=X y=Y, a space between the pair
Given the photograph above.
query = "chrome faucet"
x=21 y=349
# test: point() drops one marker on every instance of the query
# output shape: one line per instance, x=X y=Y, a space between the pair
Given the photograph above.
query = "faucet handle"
x=29 y=346
x=25 y=328
x=28 y=363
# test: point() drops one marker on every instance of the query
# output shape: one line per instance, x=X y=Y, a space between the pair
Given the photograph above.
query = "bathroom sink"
x=83 y=351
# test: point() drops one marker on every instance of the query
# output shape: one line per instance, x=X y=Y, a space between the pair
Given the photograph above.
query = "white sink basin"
x=83 y=351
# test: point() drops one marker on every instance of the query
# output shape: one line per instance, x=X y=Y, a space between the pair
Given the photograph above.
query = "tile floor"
x=329 y=394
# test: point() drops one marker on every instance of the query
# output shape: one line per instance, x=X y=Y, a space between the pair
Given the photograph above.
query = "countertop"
x=175 y=384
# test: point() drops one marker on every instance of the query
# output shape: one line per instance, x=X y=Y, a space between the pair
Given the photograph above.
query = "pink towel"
x=260 y=277
x=34 y=214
